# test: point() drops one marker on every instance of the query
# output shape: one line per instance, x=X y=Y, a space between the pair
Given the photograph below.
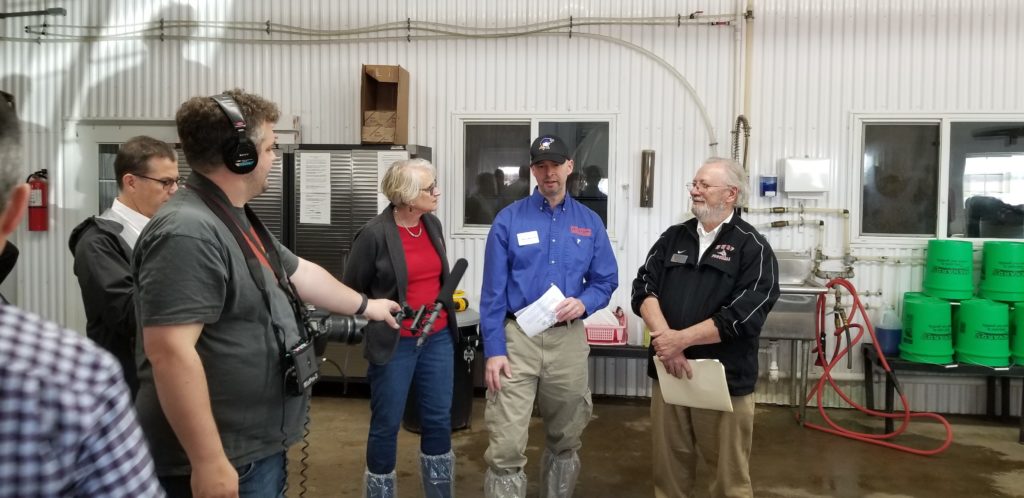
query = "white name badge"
x=527 y=238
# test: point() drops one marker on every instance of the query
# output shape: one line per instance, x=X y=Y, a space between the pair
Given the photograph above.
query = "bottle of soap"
x=889 y=331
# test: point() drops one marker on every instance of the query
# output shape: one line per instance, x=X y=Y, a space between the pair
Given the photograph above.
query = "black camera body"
x=302 y=361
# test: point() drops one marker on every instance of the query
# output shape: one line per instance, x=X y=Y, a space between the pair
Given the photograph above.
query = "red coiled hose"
x=838 y=355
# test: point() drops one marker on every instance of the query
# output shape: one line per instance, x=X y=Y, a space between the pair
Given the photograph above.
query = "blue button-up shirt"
x=532 y=246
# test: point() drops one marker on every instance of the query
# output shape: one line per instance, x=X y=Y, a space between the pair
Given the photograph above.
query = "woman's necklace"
x=417 y=234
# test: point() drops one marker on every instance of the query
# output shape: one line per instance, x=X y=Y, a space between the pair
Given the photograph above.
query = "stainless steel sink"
x=793 y=314
x=794 y=267
x=793 y=319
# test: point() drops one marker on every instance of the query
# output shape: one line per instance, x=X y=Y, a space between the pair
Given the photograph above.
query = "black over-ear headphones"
x=239 y=152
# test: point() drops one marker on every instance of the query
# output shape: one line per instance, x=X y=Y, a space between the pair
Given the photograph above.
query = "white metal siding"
x=812 y=64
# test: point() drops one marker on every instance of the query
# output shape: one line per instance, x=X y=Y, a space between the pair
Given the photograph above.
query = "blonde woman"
x=400 y=254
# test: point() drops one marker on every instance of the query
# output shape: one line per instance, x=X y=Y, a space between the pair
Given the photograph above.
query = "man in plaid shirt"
x=67 y=425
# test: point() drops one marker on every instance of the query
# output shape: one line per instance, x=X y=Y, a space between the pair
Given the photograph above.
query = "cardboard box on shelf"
x=386 y=119
x=378 y=135
x=385 y=88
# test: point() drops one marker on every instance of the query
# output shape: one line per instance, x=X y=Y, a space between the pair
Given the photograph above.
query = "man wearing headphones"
x=224 y=377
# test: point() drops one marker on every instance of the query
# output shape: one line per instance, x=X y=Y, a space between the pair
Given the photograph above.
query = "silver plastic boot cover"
x=379 y=485
x=558 y=474
x=438 y=473
x=504 y=486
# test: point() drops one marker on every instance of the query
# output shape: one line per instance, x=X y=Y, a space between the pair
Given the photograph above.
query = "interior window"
x=900 y=179
x=986 y=180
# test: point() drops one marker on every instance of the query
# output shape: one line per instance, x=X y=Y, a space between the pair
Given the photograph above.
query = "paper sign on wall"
x=315 y=188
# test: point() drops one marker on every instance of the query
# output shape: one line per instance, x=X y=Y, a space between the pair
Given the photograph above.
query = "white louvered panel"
x=619 y=377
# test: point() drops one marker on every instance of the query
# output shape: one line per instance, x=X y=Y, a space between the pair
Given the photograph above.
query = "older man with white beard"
x=704 y=291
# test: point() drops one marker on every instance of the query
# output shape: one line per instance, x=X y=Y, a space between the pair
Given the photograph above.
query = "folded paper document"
x=539 y=315
x=707 y=389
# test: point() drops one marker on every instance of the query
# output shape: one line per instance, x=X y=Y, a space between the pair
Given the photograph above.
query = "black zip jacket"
x=103 y=268
x=735 y=284
x=376 y=266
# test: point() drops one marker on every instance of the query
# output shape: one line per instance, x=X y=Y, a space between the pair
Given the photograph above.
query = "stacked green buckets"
x=947 y=320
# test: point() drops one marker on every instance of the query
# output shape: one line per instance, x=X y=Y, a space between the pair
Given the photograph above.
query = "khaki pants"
x=722 y=440
x=550 y=367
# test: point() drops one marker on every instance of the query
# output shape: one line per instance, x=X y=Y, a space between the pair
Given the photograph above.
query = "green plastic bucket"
x=1017 y=333
x=1002 y=277
x=949 y=268
x=927 y=330
x=983 y=333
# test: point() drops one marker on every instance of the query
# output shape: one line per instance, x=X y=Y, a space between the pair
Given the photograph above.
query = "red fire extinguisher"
x=38 y=218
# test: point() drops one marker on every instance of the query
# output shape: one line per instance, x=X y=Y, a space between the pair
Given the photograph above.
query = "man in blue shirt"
x=545 y=239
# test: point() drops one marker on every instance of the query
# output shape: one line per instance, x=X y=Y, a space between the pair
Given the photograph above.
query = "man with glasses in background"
x=704 y=291
x=146 y=170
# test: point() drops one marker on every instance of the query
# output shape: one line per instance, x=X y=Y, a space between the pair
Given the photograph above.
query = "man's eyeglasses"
x=166 y=183
x=432 y=189
x=703 y=187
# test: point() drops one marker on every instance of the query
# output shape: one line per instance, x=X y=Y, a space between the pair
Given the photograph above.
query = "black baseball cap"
x=548 y=148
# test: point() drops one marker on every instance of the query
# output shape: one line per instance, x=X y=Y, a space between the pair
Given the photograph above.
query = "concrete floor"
x=787 y=461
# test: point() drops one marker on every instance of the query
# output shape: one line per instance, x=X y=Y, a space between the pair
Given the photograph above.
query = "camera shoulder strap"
x=260 y=230
x=258 y=252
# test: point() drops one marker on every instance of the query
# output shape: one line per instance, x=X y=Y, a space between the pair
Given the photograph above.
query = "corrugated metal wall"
x=814 y=64
x=811 y=65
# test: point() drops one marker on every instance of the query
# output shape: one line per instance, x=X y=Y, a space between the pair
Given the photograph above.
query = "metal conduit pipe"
x=847 y=251
x=799 y=210
x=164 y=30
x=739 y=79
x=892 y=260
x=818 y=248
x=160 y=29
x=742 y=126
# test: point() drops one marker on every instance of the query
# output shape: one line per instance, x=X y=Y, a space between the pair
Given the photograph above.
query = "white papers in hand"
x=707 y=389
x=539 y=315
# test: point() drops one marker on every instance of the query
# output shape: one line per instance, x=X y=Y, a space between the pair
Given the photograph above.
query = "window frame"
x=855 y=174
x=458 y=185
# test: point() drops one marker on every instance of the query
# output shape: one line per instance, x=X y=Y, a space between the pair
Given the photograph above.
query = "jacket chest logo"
x=723 y=252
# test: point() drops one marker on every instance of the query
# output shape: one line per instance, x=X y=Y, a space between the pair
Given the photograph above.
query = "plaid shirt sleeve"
x=67 y=424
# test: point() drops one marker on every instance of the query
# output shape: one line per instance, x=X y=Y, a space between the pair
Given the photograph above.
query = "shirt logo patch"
x=583 y=232
x=723 y=252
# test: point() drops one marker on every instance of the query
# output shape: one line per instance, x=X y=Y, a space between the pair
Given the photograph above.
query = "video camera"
x=303 y=359
x=324 y=327
x=327 y=327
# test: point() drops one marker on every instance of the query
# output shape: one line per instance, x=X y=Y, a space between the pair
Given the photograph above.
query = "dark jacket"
x=8 y=257
x=735 y=283
x=103 y=268
x=376 y=266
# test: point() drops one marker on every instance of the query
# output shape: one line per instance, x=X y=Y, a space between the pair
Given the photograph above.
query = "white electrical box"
x=806 y=176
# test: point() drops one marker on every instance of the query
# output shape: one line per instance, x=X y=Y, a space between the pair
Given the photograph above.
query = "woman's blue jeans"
x=430 y=367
